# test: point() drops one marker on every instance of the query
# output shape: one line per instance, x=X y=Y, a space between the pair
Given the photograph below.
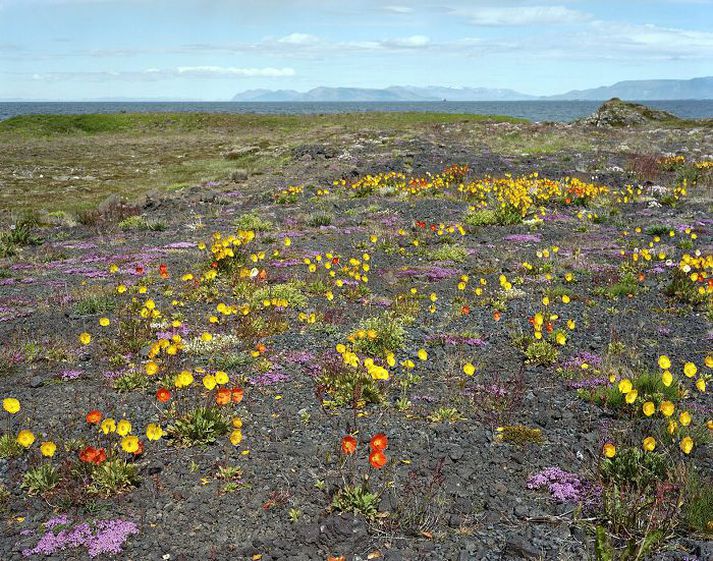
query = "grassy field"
x=71 y=162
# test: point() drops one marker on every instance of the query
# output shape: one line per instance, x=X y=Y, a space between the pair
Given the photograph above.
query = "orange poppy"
x=465 y=310
x=222 y=397
x=163 y=395
x=236 y=395
x=377 y=459
x=349 y=445
x=335 y=260
x=139 y=270
x=260 y=348
x=496 y=315
x=93 y=417
x=91 y=455
x=262 y=275
x=163 y=270
x=549 y=326
x=379 y=442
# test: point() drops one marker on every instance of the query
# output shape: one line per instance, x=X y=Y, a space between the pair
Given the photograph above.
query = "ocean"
x=560 y=111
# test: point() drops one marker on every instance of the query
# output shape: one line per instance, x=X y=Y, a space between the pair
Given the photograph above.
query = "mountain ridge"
x=645 y=90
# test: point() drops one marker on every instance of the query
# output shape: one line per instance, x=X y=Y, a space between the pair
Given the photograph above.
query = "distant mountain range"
x=696 y=88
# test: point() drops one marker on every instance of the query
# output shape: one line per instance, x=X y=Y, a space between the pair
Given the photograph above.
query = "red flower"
x=349 y=445
x=93 y=417
x=379 y=442
x=163 y=395
x=163 y=270
x=139 y=269
x=377 y=459
x=335 y=260
x=223 y=396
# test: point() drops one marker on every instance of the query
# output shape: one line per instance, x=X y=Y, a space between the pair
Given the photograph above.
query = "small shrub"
x=381 y=335
x=251 y=221
x=519 y=435
x=453 y=252
x=39 y=480
x=113 y=476
x=201 y=426
x=356 y=499
x=9 y=448
x=318 y=220
x=542 y=352
x=445 y=415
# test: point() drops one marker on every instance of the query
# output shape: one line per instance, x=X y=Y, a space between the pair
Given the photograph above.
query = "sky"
x=213 y=49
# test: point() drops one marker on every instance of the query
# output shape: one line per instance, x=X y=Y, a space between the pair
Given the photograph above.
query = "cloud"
x=299 y=39
x=519 y=16
x=221 y=71
x=398 y=9
x=156 y=74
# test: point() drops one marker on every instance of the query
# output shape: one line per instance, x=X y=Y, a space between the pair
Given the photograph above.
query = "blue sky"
x=212 y=49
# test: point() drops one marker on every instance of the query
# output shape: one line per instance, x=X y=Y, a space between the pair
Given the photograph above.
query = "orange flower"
x=91 y=455
x=163 y=270
x=377 y=459
x=349 y=445
x=140 y=449
x=465 y=310
x=93 y=417
x=496 y=315
x=379 y=442
x=222 y=397
x=163 y=395
x=262 y=275
x=236 y=395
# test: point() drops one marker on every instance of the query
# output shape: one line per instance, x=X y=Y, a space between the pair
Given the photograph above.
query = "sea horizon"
x=534 y=110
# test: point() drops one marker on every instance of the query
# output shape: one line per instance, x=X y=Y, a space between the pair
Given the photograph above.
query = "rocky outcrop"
x=618 y=113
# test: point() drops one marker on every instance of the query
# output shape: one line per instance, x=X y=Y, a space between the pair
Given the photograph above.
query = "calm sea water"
x=562 y=111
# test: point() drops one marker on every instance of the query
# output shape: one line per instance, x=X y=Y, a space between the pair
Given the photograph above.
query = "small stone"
x=36 y=382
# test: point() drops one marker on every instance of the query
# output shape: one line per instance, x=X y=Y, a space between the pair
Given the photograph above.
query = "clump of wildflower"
x=563 y=486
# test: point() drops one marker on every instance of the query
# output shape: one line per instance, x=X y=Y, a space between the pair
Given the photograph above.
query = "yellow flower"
x=609 y=450
x=121 y=288
x=85 y=338
x=685 y=418
x=205 y=336
x=664 y=362
x=221 y=378
x=565 y=299
x=104 y=322
x=649 y=443
x=237 y=423
x=209 y=381
x=11 y=405
x=686 y=444
x=123 y=427
x=649 y=408
x=667 y=408
x=667 y=378
x=151 y=368
x=236 y=437
x=631 y=396
x=689 y=369
x=287 y=242
x=701 y=384
x=184 y=379
x=154 y=431
x=48 y=449
x=469 y=369
x=560 y=338
x=709 y=361
x=130 y=444
x=422 y=354
x=625 y=386
x=108 y=425
x=25 y=438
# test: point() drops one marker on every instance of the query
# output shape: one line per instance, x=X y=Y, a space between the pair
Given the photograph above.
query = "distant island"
x=695 y=88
